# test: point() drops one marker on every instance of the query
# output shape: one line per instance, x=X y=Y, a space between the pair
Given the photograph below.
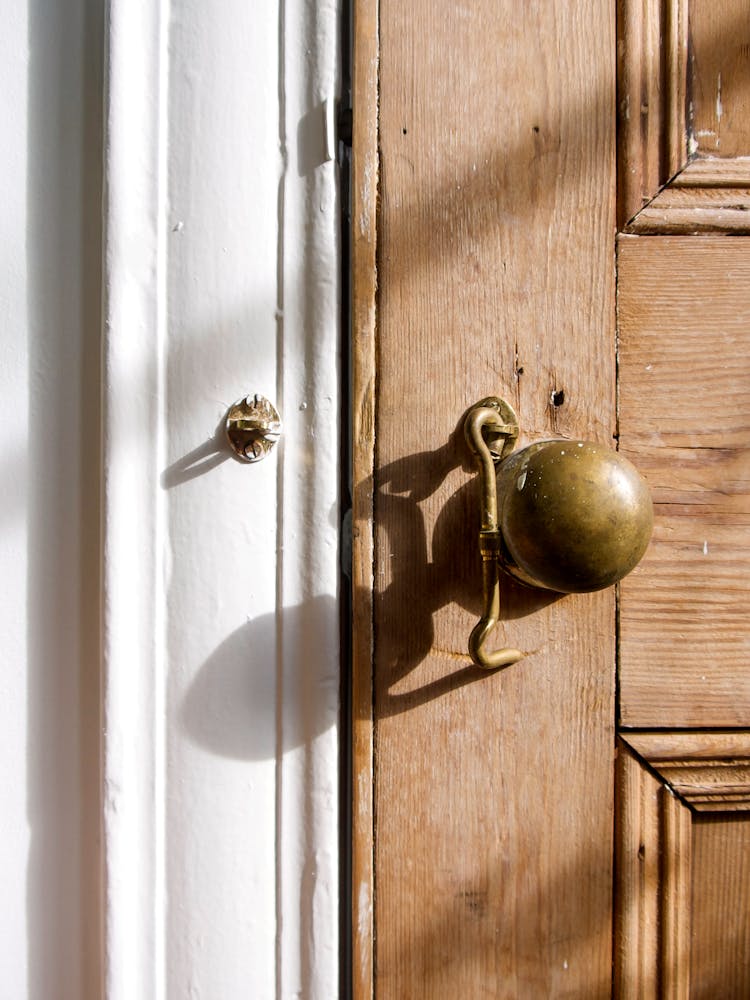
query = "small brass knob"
x=252 y=427
x=574 y=516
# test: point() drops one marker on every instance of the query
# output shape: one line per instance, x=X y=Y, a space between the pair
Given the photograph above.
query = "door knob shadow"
x=231 y=707
x=426 y=572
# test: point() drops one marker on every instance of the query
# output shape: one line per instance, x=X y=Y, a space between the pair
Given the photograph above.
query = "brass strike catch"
x=252 y=427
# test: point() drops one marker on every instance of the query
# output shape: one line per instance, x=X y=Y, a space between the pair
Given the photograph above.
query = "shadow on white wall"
x=231 y=708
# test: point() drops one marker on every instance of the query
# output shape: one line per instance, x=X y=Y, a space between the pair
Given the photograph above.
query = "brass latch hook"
x=493 y=419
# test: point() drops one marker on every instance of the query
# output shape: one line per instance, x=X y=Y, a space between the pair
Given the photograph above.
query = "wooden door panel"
x=682 y=889
x=493 y=792
x=492 y=795
x=682 y=922
x=683 y=90
x=720 y=932
x=652 y=897
x=719 y=89
x=684 y=341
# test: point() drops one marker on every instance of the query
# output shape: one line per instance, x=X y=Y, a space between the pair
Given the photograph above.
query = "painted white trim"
x=161 y=775
x=308 y=847
x=133 y=799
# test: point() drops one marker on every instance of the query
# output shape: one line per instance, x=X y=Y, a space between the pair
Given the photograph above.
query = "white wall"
x=50 y=117
x=214 y=675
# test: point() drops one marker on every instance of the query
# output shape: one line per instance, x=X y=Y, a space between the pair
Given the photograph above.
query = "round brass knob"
x=573 y=516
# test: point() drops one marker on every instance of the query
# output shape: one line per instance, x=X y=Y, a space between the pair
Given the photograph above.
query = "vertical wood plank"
x=493 y=791
x=720 y=78
x=675 y=58
x=675 y=897
x=652 y=53
x=721 y=913
x=636 y=971
x=684 y=396
x=364 y=282
x=652 y=886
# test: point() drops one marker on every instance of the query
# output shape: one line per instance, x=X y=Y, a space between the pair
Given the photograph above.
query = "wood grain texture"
x=683 y=209
x=682 y=916
x=709 y=771
x=652 y=886
x=707 y=196
x=493 y=791
x=719 y=86
x=683 y=91
x=675 y=908
x=652 y=56
x=684 y=335
x=637 y=845
x=364 y=283
x=714 y=173
x=720 y=965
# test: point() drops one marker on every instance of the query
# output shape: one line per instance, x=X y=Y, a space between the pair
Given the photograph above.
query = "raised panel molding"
x=708 y=196
x=682 y=122
x=709 y=771
x=652 y=888
x=652 y=58
x=681 y=868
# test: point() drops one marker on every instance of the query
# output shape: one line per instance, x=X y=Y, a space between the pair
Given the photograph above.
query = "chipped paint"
x=365 y=215
x=364 y=923
x=719 y=106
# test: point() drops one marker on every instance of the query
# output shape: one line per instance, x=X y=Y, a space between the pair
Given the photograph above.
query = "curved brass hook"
x=495 y=418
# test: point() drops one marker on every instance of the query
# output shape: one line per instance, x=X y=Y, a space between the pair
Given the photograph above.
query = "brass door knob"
x=574 y=516
x=568 y=516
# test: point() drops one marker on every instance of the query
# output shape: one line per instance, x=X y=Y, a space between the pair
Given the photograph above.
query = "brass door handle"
x=567 y=516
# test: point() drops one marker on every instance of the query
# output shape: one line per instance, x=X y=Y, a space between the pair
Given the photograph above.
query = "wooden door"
x=573 y=825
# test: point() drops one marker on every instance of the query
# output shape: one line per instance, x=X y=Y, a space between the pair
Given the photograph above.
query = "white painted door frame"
x=220 y=621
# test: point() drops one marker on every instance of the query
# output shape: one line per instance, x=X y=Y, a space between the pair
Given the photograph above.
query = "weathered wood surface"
x=684 y=335
x=492 y=798
x=682 y=917
x=653 y=850
x=713 y=173
x=637 y=889
x=691 y=210
x=720 y=954
x=719 y=120
x=493 y=791
x=710 y=771
x=363 y=290
x=652 y=57
x=683 y=91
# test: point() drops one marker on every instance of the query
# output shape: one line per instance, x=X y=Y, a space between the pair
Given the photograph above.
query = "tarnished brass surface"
x=491 y=430
x=568 y=516
x=574 y=516
x=253 y=427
